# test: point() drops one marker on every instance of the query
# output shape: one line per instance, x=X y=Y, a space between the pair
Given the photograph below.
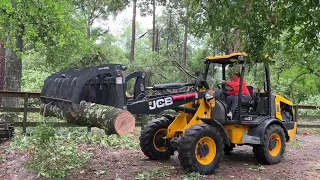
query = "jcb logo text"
x=160 y=103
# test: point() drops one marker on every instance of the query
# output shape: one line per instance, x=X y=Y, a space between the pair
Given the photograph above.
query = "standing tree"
x=2 y=64
x=94 y=10
x=133 y=35
x=148 y=7
x=45 y=22
x=276 y=28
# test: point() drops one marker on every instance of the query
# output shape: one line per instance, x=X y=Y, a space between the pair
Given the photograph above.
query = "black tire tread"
x=146 y=139
x=261 y=152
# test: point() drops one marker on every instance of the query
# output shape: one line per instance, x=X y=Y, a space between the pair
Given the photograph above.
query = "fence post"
x=296 y=113
x=25 y=113
x=89 y=130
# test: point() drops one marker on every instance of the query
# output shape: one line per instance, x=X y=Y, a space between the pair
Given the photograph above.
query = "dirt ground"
x=302 y=161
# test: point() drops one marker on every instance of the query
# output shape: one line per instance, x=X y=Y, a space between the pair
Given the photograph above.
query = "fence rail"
x=29 y=95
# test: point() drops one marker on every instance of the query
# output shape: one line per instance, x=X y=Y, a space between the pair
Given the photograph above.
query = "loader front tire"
x=273 y=148
x=228 y=149
x=151 y=139
x=200 y=149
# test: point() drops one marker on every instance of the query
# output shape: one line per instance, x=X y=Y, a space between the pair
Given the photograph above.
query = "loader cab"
x=261 y=98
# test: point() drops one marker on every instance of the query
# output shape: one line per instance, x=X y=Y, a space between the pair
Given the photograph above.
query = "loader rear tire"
x=273 y=148
x=151 y=139
x=200 y=149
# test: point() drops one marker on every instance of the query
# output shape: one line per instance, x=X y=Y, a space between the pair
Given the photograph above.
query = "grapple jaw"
x=104 y=84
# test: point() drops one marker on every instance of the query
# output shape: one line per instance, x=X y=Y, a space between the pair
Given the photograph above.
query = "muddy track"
x=302 y=161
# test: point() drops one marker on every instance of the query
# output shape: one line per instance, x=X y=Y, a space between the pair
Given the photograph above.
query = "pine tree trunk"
x=185 y=44
x=157 y=41
x=88 y=27
x=169 y=31
x=153 y=24
x=133 y=36
x=111 y=119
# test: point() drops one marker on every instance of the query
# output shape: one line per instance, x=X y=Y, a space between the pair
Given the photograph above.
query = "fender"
x=215 y=123
x=259 y=131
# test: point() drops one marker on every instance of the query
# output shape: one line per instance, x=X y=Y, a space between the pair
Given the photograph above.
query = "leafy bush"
x=51 y=156
x=21 y=142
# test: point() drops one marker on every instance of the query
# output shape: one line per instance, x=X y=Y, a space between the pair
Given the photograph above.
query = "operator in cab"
x=233 y=93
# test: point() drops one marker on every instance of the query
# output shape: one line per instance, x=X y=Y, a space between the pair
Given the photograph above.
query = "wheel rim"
x=275 y=144
x=205 y=150
x=158 y=141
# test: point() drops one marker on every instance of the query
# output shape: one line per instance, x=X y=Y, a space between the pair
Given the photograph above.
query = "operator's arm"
x=232 y=83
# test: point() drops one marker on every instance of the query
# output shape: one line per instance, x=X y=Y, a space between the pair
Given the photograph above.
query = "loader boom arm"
x=158 y=104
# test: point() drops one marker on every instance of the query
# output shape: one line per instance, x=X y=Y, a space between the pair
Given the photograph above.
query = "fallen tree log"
x=112 y=120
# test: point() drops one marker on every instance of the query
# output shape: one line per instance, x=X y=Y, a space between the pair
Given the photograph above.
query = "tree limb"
x=295 y=79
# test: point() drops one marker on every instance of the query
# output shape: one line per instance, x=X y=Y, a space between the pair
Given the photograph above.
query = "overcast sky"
x=117 y=24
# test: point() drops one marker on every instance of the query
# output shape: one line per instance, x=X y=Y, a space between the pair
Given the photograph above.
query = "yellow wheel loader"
x=202 y=132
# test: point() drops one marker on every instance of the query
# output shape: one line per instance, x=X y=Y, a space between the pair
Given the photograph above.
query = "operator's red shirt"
x=235 y=84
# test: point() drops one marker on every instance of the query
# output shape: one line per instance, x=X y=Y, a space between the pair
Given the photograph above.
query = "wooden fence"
x=31 y=95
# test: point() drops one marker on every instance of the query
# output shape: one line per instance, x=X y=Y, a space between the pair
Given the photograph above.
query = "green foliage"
x=257 y=23
x=32 y=20
x=125 y=142
x=21 y=142
x=51 y=155
x=311 y=130
x=295 y=143
x=314 y=101
x=262 y=28
x=146 y=6
x=193 y=176
x=156 y=173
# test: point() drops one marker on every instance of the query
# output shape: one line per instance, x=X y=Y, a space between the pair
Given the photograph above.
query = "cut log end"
x=124 y=123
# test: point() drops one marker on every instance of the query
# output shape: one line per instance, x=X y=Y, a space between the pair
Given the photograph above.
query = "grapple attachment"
x=102 y=84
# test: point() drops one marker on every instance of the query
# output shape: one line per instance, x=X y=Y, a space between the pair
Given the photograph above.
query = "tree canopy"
x=51 y=35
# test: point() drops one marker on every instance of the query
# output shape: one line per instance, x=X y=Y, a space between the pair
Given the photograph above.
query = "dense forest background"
x=40 y=37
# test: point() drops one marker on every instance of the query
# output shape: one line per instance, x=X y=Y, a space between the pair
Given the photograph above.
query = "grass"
x=193 y=176
x=152 y=174
x=295 y=143
x=311 y=130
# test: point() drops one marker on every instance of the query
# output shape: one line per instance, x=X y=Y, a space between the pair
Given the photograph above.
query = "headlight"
x=209 y=95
